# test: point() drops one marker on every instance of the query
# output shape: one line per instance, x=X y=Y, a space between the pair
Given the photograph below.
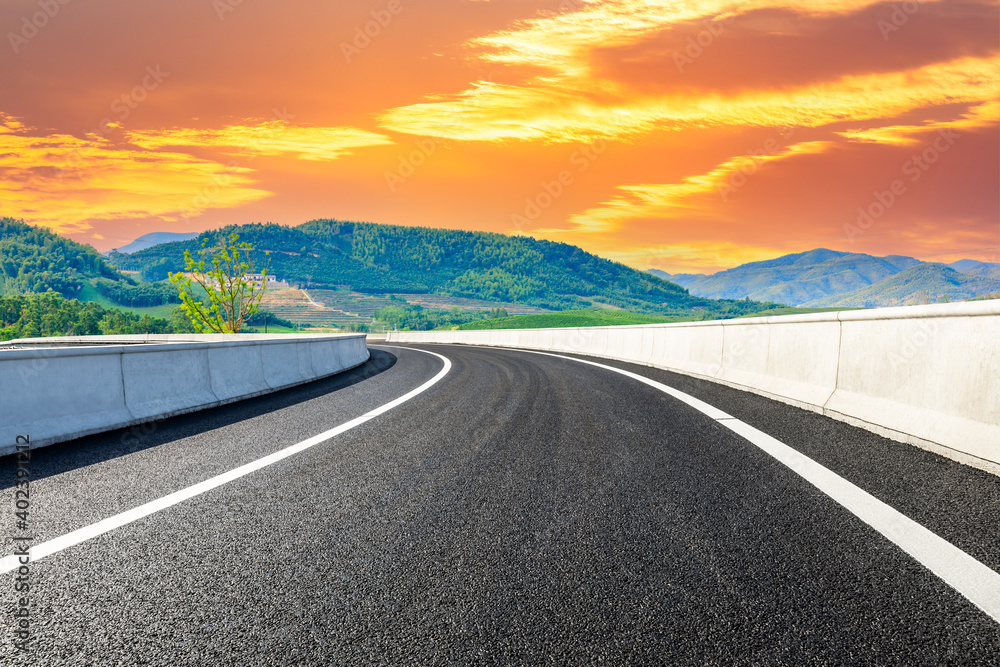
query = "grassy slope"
x=90 y=293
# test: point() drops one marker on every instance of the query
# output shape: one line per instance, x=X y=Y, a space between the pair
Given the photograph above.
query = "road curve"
x=523 y=509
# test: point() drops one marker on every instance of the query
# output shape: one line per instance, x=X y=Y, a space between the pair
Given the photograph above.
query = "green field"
x=90 y=293
x=570 y=318
x=443 y=302
x=608 y=318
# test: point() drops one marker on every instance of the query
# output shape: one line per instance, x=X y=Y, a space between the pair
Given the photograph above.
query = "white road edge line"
x=965 y=574
x=55 y=545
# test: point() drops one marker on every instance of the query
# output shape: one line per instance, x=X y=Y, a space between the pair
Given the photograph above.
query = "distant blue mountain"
x=976 y=268
x=154 y=238
x=829 y=277
x=923 y=283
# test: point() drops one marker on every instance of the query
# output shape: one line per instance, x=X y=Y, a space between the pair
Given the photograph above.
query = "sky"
x=685 y=136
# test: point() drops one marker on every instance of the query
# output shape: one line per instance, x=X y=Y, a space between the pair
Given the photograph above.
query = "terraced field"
x=354 y=303
x=338 y=308
x=294 y=306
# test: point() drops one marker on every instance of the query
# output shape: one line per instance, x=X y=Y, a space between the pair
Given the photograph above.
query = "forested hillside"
x=34 y=260
x=42 y=315
x=385 y=259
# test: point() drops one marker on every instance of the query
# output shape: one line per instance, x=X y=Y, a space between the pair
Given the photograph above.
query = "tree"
x=232 y=296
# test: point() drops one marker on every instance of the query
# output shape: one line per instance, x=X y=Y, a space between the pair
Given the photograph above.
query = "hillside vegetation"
x=50 y=314
x=34 y=260
x=384 y=259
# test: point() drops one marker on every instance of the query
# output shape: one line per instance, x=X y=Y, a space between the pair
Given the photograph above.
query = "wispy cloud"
x=668 y=200
x=66 y=182
x=497 y=112
x=986 y=114
x=268 y=138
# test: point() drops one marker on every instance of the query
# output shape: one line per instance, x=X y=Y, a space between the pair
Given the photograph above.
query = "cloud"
x=667 y=200
x=269 y=138
x=559 y=43
x=65 y=182
x=606 y=69
x=986 y=114
x=779 y=49
x=497 y=112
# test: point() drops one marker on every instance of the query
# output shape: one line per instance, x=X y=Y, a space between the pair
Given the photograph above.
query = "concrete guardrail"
x=58 y=389
x=925 y=375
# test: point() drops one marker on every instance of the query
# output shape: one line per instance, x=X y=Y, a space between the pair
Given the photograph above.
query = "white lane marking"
x=965 y=574
x=55 y=545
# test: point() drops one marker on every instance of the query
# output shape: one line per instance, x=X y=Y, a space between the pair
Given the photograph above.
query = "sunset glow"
x=686 y=136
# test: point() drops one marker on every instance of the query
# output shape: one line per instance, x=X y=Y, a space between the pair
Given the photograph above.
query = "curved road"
x=523 y=509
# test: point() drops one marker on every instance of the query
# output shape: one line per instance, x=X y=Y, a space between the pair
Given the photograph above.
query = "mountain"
x=829 y=277
x=152 y=239
x=976 y=268
x=382 y=259
x=794 y=279
x=924 y=283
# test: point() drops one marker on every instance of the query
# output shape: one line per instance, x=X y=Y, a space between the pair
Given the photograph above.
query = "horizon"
x=690 y=139
x=802 y=252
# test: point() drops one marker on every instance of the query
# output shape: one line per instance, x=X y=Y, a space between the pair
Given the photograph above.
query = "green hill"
x=34 y=260
x=384 y=259
x=795 y=279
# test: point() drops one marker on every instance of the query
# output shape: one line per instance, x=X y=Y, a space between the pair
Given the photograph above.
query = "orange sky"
x=687 y=136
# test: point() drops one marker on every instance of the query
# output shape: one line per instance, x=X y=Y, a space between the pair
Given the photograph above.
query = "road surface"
x=500 y=507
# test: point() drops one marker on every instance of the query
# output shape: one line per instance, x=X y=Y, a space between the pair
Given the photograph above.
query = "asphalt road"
x=523 y=510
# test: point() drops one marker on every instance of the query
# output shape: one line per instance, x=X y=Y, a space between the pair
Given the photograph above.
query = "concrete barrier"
x=58 y=389
x=925 y=375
